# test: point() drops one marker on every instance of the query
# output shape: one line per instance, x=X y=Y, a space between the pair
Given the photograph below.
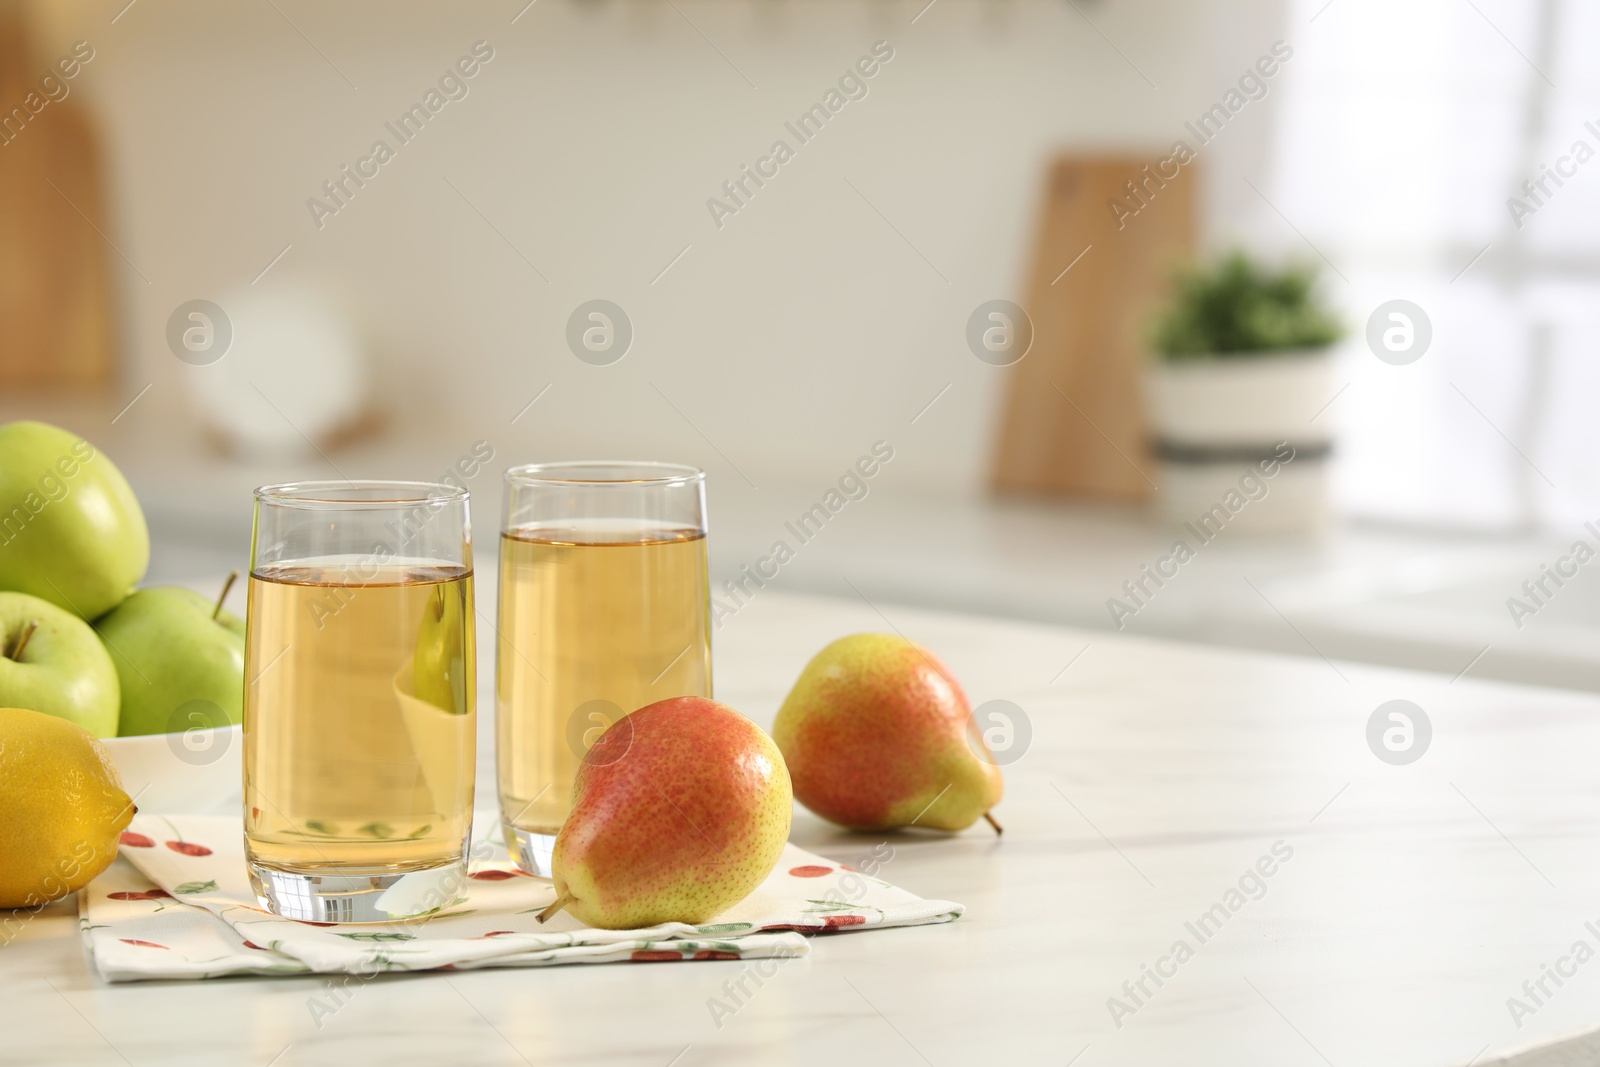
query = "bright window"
x=1400 y=134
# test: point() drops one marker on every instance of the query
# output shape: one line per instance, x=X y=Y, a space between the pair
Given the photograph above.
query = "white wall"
x=793 y=337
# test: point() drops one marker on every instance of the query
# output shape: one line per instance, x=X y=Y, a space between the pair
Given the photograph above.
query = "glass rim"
x=334 y=494
x=569 y=472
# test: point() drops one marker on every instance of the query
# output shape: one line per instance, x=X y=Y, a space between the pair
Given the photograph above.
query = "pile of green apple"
x=78 y=638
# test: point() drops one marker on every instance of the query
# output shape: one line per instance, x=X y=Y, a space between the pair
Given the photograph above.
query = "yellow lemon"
x=62 y=808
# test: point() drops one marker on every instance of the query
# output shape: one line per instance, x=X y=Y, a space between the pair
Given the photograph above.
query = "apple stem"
x=233 y=576
x=22 y=642
x=998 y=829
x=560 y=902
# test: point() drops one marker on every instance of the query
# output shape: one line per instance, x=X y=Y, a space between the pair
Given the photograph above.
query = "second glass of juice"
x=604 y=608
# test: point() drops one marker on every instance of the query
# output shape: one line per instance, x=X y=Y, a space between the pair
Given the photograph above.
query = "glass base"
x=530 y=849
x=359 y=897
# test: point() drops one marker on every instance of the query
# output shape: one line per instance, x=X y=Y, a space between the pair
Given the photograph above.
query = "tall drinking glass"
x=605 y=607
x=359 y=707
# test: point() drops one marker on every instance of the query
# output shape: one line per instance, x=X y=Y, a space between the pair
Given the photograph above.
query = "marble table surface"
x=1405 y=905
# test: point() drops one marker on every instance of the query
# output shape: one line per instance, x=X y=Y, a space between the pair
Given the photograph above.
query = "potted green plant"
x=1241 y=374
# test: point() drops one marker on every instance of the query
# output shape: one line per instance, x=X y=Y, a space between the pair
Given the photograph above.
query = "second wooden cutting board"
x=1073 y=422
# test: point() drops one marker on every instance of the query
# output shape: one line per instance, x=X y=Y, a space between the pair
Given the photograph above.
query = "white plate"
x=196 y=772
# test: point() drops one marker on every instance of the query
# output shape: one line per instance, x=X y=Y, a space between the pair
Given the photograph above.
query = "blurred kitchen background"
x=847 y=300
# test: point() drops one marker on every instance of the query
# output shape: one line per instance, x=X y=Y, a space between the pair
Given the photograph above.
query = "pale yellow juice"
x=592 y=626
x=359 y=723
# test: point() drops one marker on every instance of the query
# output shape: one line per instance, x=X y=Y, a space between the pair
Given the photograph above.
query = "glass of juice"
x=359 y=699
x=605 y=606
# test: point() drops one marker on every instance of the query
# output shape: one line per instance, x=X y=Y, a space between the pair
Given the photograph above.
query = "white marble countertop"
x=1416 y=901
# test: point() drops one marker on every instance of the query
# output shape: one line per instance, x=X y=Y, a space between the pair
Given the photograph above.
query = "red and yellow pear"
x=679 y=811
x=878 y=735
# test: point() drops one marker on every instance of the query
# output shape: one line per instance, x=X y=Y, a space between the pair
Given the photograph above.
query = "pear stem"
x=998 y=829
x=22 y=642
x=233 y=576
x=560 y=902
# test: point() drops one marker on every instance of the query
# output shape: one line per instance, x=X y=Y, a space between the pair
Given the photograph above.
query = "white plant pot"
x=1223 y=428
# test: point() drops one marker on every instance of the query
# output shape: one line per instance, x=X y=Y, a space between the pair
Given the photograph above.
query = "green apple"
x=173 y=647
x=439 y=664
x=51 y=661
x=71 y=531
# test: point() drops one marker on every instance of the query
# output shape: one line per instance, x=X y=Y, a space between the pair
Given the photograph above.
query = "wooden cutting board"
x=55 y=295
x=1074 y=422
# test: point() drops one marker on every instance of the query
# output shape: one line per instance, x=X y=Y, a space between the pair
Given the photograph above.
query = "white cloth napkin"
x=1580 y=1051
x=177 y=903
